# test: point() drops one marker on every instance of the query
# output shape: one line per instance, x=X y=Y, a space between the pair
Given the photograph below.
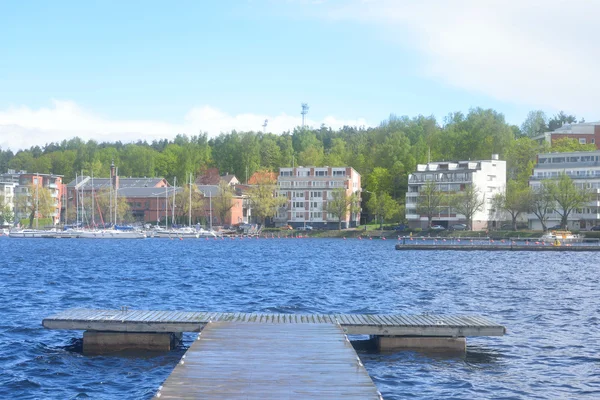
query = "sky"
x=131 y=70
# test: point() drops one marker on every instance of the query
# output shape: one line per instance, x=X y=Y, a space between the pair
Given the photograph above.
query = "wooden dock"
x=194 y=321
x=268 y=356
x=236 y=360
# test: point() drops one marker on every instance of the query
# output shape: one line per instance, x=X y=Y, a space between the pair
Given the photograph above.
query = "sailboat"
x=115 y=232
x=174 y=233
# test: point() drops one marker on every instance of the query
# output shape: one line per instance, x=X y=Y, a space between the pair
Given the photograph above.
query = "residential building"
x=7 y=196
x=308 y=190
x=24 y=180
x=584 y=169
x=487 y=176
x=585 y=133
x=211 y=177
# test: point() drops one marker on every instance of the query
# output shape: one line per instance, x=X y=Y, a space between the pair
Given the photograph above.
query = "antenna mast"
x=304 y=112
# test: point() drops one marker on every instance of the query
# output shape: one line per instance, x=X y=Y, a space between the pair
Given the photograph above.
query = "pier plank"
x=194 y=321
x=270 y=361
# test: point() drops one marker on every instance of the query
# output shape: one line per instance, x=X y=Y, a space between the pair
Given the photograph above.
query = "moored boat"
x=562 y=236
x=112 y=234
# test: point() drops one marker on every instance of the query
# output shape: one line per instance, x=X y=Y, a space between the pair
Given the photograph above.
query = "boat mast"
x=190 y=205
x=66 y=194
x=37 y=200
x=166 y=208
x=76 y=198
x=116 y=204
x=93 y=216
x=173 y=208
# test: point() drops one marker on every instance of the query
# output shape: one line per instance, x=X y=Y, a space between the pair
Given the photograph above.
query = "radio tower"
x=304 y=112
x=264 y=125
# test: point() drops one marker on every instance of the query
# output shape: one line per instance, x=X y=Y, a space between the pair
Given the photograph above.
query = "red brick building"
x=585 y=133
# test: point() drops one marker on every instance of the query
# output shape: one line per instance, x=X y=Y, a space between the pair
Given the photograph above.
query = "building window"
x=285 y=173
x=582 y=141
x=339 y=173
x=320 y=173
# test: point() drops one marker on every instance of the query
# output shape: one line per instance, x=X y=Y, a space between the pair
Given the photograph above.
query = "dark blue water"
x=549 y=302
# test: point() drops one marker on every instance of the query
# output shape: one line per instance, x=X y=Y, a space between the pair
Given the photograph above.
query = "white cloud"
x=538 y=53
x=23 y=127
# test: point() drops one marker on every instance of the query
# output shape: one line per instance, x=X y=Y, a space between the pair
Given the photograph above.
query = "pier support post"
x=441 y=344
x=100 y=342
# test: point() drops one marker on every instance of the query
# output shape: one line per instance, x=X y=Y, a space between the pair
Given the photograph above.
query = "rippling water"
x=549 y=302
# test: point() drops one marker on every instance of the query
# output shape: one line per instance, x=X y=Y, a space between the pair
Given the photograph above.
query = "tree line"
x=384 y=155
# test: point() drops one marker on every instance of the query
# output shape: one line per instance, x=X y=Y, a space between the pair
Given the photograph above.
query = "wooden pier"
x=236 y=360
x=496 y=247
x=268 y=356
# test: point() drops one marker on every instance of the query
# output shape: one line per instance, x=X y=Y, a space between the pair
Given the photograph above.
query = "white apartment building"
x=7 y=195
x=308 y=189
x=488 y=176
x=584 y=168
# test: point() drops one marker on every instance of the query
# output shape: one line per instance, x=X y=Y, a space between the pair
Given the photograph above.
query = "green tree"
x=567 y=145
x=429 y=200
x=515 y=200
x=6 y=213
x=263 y=197
x=384 y=207
x=521 y=157
x=567 y=196
x=467 y=203
x=105 y=206
x=535 y=123
x=560 y=119
x=339 y=204
x=7 y=216
x=223 y=203
x=542 y=201
x=37 y=202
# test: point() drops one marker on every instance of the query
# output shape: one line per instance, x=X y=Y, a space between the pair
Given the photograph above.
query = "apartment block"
x=488 y=177
x=308 y=190
x=23 y=181
x=584 y=169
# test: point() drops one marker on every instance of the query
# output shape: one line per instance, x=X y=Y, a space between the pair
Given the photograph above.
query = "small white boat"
x=562 y=236
x=207 y=233
x=66 y=234
x=28 y=233
x=112 y=234
x=179 y=233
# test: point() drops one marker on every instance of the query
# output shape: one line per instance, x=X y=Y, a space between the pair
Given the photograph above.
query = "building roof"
x=146 y=192
x=211 y=177
x=100 y=183
x=209 y=190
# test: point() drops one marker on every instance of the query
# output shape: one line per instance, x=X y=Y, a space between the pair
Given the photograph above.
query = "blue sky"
x=143 y=69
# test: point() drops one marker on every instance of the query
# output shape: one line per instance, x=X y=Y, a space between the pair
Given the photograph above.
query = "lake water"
x=549 y=302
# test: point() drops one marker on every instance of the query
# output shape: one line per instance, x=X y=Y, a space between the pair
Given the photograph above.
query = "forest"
x=383 y=155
